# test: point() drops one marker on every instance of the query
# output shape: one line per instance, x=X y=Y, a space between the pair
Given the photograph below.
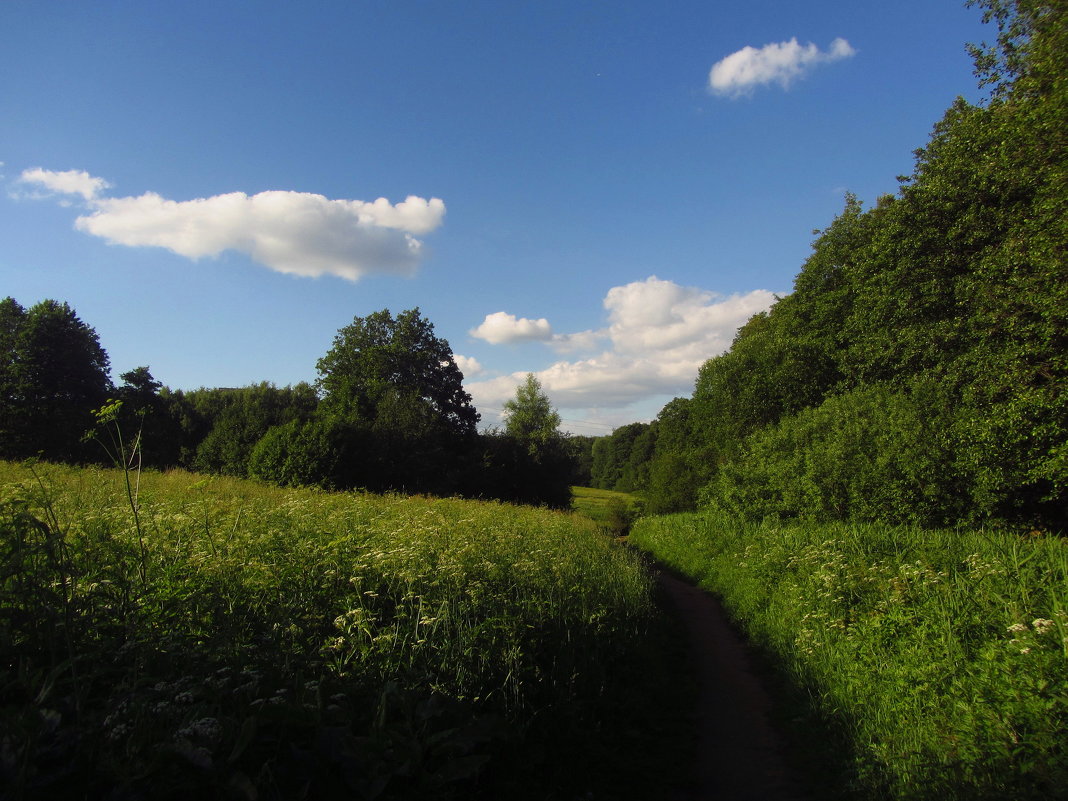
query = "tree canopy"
x=531 y=418
x=54 y=373
x=381 y=365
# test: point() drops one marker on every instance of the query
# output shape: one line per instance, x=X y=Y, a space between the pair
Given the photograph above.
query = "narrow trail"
x=739 y=752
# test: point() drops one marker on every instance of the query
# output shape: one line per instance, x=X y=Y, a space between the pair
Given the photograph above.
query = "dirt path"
x=739 y=752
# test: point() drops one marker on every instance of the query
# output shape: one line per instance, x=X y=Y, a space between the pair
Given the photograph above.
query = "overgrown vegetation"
x=926 y=665
x=171 y=635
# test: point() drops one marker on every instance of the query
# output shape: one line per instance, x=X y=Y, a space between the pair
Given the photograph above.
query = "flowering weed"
x=254 y=642
x=937 y=661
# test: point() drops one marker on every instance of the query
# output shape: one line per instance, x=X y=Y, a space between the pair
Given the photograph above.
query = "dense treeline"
x=388 y=413
x=919 y=371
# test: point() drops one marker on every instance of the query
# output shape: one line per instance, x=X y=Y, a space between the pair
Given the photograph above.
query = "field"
x=923 y=664
x=224 y=638
x=615 y=511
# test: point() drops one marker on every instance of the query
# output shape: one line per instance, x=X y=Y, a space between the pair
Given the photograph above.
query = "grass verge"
x=923 y=664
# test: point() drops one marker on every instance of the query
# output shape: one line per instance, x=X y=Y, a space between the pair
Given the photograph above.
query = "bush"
x=874 y=454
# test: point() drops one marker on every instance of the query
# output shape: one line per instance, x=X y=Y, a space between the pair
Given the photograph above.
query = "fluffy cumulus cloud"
x=292 y=232
x=502 y=328
x=659 y=334
x=780 y=62
x=468 y=365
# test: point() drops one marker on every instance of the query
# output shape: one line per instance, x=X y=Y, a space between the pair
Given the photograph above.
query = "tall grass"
x=221 y=636
x=938 y=658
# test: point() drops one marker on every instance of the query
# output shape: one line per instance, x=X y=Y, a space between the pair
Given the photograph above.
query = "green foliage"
x=53 y=373
x=145 y=409
x=928 y=664
x=393 y=389
x=297 y=454
x=873 y=454
x=531 y=457
x=682 y=459
x=580 y=451
x=259 y=642
x=381 y=366
x=612 y=454
x=770 y=370
x=530 y=418
x=238 y=418
x=508 y=472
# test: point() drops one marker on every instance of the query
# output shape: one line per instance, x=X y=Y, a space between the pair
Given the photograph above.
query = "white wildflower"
x=1042 y=625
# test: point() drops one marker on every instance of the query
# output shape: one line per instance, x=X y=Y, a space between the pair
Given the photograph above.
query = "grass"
x=614 y=511
x=924 y=664
x=222 y=638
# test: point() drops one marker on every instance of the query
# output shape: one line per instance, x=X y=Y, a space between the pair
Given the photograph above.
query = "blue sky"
x=597 y=192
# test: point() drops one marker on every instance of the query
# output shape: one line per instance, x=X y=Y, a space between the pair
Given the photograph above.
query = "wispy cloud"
x=64 y=182
x=291 y=232
x=779 y=62
x=659 y=334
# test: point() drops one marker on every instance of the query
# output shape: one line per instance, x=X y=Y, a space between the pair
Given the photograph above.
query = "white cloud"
x=468 y=365
x=65 y=182
x=501 y=328
x=291 y=232
x=580 y=341
x=659 y=334
x=781 y=62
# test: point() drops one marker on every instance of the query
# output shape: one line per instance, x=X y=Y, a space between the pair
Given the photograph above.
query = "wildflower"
x=1042 y=625
x=1017 y=628
x=205 y=729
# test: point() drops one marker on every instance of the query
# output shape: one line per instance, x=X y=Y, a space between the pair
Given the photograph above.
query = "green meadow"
x=223 y=637
x=615 y=511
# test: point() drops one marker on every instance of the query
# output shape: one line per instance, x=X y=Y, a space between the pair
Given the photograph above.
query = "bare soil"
x=740 y=754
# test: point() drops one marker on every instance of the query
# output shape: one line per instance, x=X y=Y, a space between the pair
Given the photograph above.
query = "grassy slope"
x=931 y=665
x=238 y=640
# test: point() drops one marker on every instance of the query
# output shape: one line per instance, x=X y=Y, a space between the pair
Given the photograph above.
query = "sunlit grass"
x=938 y=658
x=615 y=511
x=389 y=642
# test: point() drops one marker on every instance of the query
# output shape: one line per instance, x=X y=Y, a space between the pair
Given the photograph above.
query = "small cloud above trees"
x=778 y=62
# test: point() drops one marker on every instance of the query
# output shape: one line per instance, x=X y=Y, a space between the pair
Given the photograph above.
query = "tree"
x=55 y=373
x=391 y=389
x=611 y=455
x=146 y=414
x=379 y=363
x=241 y=417
x=531 y=418
x=12 y=317
x=530 y=462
